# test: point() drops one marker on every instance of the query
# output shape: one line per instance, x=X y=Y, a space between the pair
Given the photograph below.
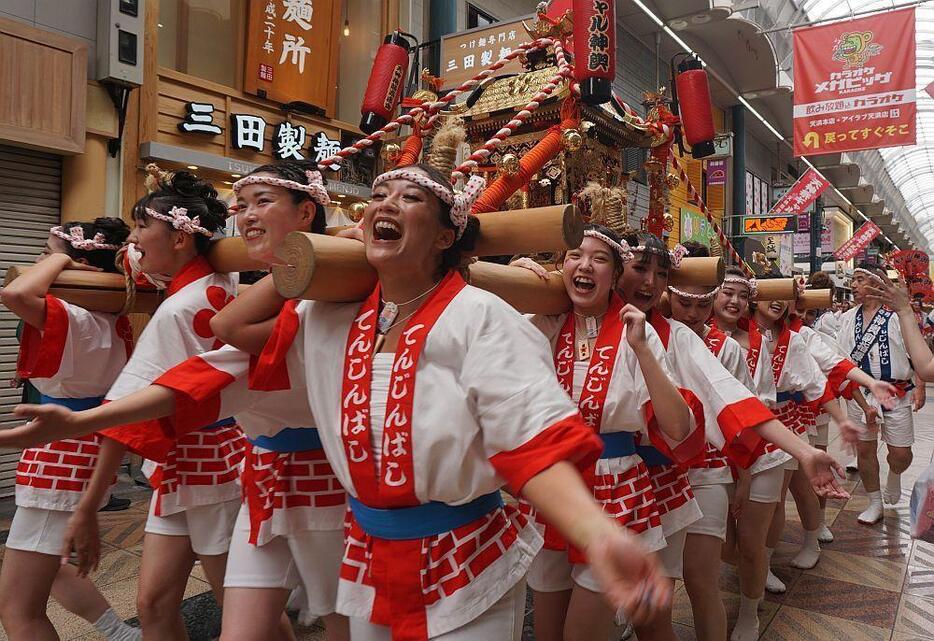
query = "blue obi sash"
x=74 y=404
x=618 y=444
x=784 y=397
x=290 y=439
x=420 y=521
x=224 y=422
x=652 y=455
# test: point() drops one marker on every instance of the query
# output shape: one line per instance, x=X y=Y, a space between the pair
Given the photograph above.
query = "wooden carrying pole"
x=522 y=288
x=700 y=272
x=95 y=291
x=522 y=231
x=815 y=299
x=776 y=289
x=323 y=267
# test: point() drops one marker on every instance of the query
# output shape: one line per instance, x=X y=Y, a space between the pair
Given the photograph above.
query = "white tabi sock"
x=893 y=489
x=113 y=627
x=824 y=535
x=873 y=513
x=809 y=554
x=747 y=623
x=772 y=583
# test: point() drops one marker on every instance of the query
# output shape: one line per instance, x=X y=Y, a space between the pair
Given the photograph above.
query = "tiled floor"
x=872 y=583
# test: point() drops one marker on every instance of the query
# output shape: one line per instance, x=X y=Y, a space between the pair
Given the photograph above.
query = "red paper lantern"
x=595 y=48
x=387 y=78
x=693 y=93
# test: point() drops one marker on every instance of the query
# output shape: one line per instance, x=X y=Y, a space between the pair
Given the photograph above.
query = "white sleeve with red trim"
x=526 y=420
x=732 y=359
x=77 y=354
x=834 y=366
x=730 y=409
x=801 y=373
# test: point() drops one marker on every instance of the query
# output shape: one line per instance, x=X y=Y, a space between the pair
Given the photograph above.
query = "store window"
x=203 y=38
x=478 y=17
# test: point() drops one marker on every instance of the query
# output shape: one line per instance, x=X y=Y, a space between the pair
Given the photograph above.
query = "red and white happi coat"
x=794 y=372
x=832 y=363
x=474 y=405
x=77 y=354
x=201 y=467
x=612 y=396
x=285 y=492
x=726 y=409
x=716 y=468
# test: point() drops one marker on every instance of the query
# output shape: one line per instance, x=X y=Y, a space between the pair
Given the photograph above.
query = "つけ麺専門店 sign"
x=770 y=224
x=465 y=54
x=291 y=51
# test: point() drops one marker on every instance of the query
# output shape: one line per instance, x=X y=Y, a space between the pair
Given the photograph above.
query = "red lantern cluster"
x=387 y=79
x=693 y=93
x=595 y=48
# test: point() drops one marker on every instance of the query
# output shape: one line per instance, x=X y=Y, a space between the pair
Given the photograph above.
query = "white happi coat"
x=896 y=365
x=799 y=374
x=487 y=411
x=202 y=467
x=286 y=492
x=77 y=355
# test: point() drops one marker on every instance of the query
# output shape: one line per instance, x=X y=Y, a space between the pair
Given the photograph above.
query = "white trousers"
x=501 y=622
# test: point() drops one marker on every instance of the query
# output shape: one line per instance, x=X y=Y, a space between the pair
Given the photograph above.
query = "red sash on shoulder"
x=715 y=340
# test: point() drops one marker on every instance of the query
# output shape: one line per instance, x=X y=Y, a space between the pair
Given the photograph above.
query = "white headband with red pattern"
x=315 y=187
x=676 y=254
x=621 y=248
x=459 y=203
x=75 y=238
x=179 y=219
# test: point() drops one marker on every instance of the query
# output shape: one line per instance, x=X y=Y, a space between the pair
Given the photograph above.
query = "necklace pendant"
x=387 y=316
x=583 y=350
x=592 y=328
x=378 y=346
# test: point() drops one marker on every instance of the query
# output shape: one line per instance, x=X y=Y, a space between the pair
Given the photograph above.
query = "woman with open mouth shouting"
x=613 y=366
x=429 y=397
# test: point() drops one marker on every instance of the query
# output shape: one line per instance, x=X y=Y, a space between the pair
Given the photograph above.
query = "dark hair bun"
x=115 y=230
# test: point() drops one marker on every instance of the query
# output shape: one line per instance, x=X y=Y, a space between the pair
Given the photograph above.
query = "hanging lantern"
x=595 y=48
x=693 y=96
x=387 y=78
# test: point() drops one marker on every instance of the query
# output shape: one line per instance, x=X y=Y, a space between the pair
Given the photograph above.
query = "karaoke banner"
x=855 y=84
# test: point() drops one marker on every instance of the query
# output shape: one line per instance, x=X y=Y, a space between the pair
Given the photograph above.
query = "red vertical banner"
x=855 y=84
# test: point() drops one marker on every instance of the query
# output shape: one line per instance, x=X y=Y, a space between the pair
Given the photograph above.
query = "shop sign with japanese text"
x=802 y=194
x=467 y=53
x=290 y=50
x=855 y=84
x=770 y=224
x=858 y=242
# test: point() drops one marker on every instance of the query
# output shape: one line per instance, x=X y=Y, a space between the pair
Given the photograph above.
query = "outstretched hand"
x=629 y=576
x=823 y=471
x=892 y=295
x=47 y=423
x=885 y=393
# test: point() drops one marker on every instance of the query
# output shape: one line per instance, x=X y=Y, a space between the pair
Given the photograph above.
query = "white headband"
x=621 y=248
x=179 y=219
x=315 y=187
x=683 y=294
x=868 y=273
x=750 y=283
x=458 y=202
x=75 y=238
x=676 y=254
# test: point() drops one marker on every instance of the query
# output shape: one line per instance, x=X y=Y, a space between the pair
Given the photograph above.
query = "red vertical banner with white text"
x=855 y=84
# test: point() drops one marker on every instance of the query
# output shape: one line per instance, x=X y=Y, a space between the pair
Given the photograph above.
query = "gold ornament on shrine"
x=356 y=211
x=391 y=152
x=509 y=164
x=673 y=180
x=669 y=222
x=572 y=140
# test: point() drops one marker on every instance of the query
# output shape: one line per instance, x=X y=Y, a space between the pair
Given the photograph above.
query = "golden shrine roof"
x=515 y=92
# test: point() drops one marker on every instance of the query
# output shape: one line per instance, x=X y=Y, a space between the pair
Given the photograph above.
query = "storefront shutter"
x=30 y=203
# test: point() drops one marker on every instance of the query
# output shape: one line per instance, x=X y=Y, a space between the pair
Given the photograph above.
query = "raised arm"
x=247 y=321
x=896 y=297
x=25 y=296
x=674 y=415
